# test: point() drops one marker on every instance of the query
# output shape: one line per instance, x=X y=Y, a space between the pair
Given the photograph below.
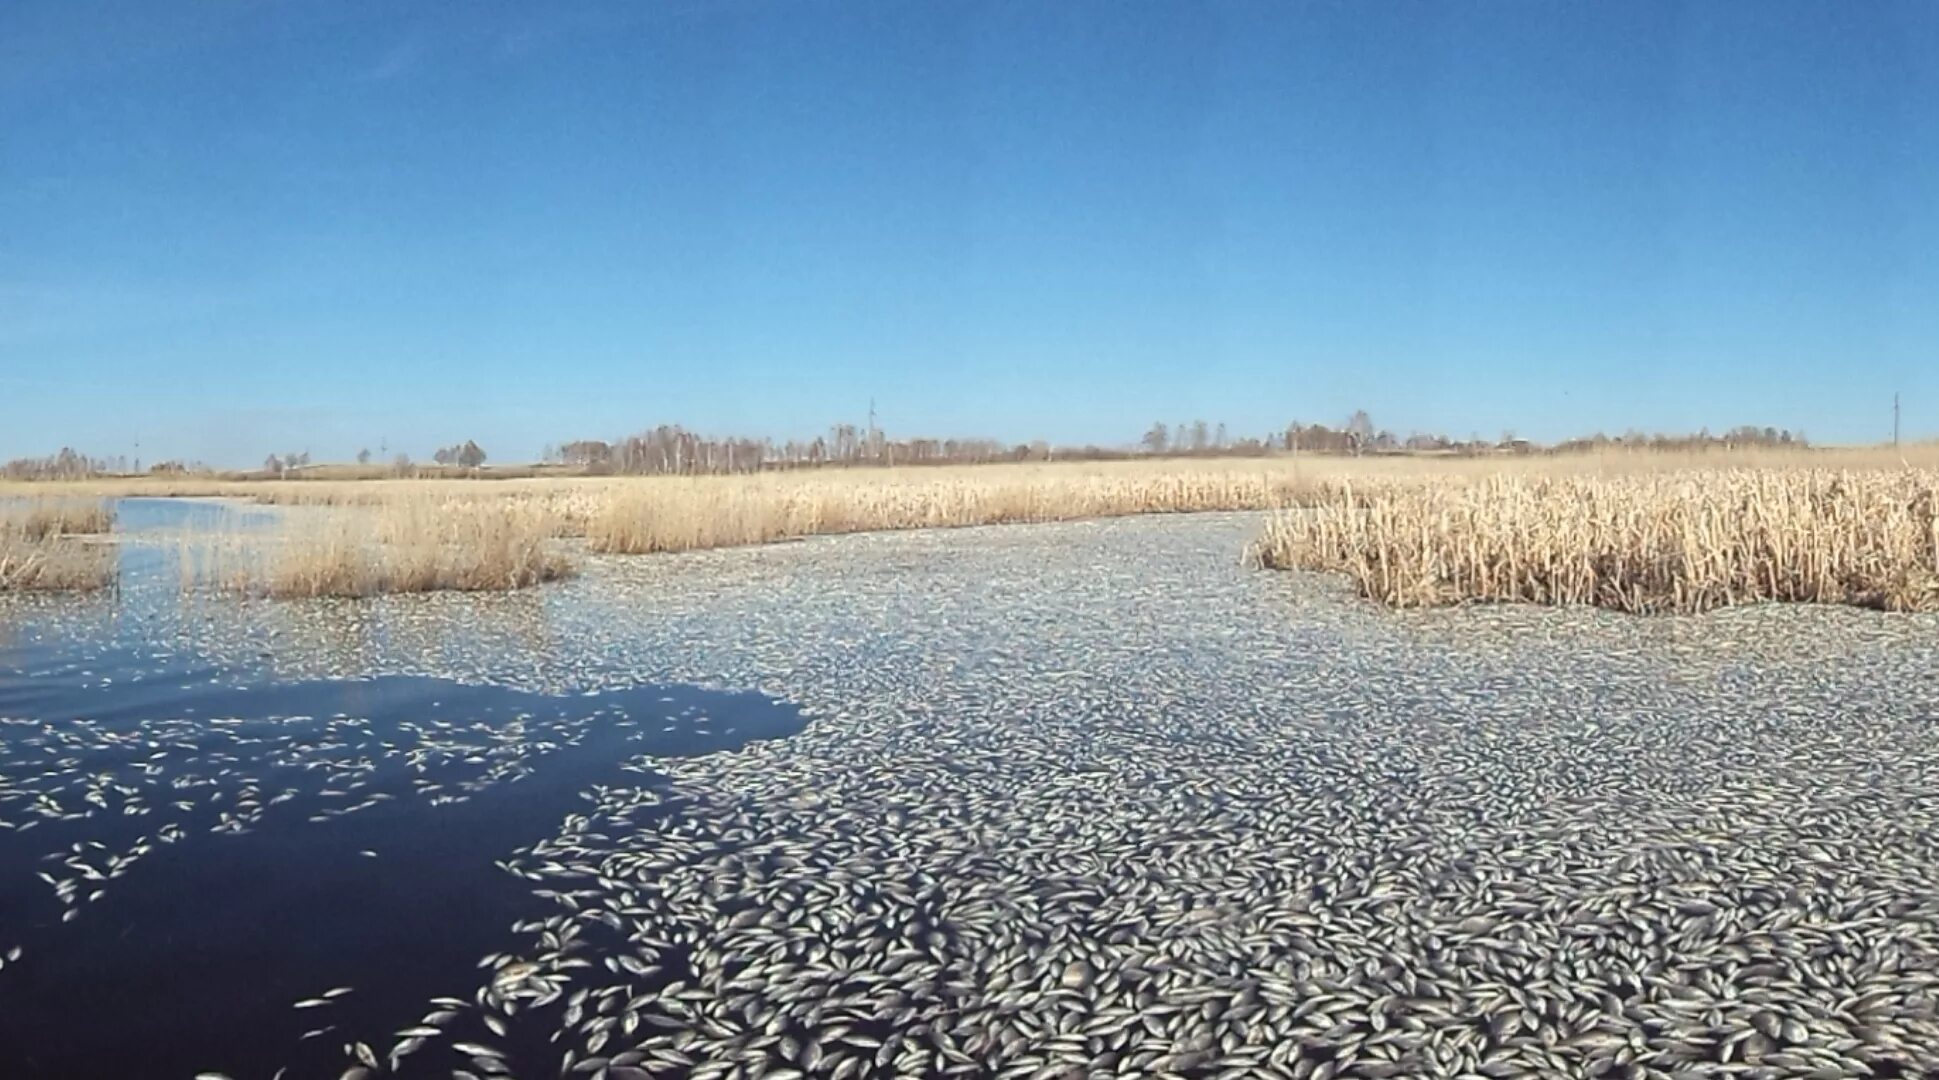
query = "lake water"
x=189 y=847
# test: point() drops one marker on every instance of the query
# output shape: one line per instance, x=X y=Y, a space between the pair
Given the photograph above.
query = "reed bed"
x=1683 y=542
x=45 y=518
x=38 y=552
x=668 y=515
x=53 y=565
x=403 y=546
x=578 y=496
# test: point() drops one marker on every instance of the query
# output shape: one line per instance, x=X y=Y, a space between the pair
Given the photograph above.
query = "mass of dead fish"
x=1091 y=800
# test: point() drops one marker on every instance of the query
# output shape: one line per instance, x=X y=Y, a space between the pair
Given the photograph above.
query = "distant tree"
x=471 y=455
x=1359 y=430
x=443 y=455
x=402 y=462
x=1158 y=439
x=363 y=456
x=593 y=453
x=1201 y=435
x=1218 y=437
x=272 y=464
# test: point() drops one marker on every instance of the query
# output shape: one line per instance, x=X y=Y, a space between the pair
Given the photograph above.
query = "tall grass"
x=403 y=546
x=37 y=554
x=663 y=515
x=1635 y=530
x=45 y=518
x=1681 y=542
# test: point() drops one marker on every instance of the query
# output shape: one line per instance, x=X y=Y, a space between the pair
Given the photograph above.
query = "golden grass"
x=675 y=514
x=36 y=554
x=44 y=518
x=1678 y=542
x=450 y=533
x=568 y=492
x=402 y=546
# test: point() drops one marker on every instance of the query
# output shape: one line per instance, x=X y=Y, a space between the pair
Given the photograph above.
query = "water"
x=256 y=843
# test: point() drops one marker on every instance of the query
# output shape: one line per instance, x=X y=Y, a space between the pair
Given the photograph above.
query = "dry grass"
x=1595 y=510
x=1678 y=542
x=44 y=518
x=53 y=565
x=403 y=546
x=688 y=514
x=37 y=554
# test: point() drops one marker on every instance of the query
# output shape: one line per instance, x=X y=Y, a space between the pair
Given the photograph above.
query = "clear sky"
x=229 y=228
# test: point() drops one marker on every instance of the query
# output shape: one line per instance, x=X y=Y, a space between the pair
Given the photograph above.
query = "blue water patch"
x=182 y=858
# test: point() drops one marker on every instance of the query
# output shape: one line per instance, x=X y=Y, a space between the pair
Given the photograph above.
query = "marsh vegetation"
x=1682 y=542
x=398 y=546
x=1636 y=530
x=40 y=549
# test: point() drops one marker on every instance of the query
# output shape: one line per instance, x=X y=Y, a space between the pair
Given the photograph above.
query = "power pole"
x=1895 y=419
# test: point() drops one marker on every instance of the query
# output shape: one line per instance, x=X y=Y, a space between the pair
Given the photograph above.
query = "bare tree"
x=1158 y=439
x=1359 y=430
x=363 y=456
x=591 y=453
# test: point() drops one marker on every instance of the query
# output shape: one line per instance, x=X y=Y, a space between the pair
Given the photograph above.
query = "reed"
x=1419 y=529
x=38 y=552
x=666 y=515
x=1681 y=542
x=402 y=546
x=44 y=518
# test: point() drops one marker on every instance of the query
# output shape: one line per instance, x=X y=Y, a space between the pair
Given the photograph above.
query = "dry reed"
x=36 y=554
x=1682 y=542
x=44 y=518
x=403 y=546
x=663 y=515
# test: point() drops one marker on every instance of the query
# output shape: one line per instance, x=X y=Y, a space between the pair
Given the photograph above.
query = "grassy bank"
x=1678 y=542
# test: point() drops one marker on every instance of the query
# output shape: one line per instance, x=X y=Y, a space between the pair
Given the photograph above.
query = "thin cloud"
x=399 y=61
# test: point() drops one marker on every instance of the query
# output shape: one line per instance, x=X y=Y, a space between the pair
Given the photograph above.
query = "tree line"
x=71 y=464
x=671 y=449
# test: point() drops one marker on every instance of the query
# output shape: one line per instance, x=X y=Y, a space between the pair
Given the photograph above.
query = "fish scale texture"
x=1095 y=799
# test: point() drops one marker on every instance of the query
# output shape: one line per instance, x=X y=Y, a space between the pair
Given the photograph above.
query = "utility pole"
x=873 y=444
x=1895 y=419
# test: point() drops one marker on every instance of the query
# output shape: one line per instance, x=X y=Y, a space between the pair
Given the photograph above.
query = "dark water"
x=327 y=834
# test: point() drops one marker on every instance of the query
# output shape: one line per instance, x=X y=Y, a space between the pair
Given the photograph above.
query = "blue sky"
x=230 y=228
